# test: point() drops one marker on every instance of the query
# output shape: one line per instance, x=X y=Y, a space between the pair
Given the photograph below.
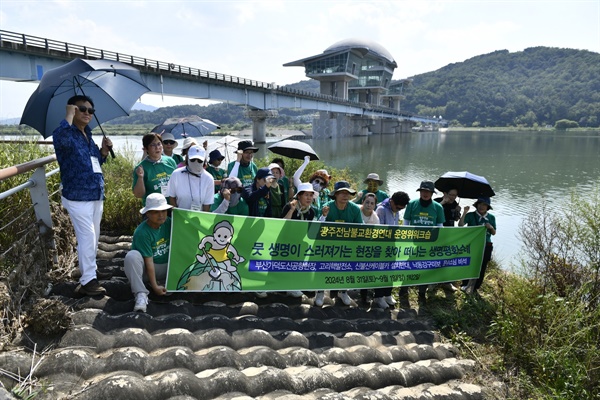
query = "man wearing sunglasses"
x=82 y=183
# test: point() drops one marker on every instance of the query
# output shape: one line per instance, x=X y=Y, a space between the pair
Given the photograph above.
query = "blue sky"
x=252 y=39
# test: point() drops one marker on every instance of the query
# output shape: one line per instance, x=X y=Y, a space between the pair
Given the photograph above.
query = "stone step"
x=141 y=380
x=237 y=346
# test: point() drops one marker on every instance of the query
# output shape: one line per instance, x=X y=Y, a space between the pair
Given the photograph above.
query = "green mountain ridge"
x=537 y=86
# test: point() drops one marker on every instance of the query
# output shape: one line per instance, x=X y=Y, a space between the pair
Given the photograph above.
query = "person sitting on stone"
x=146 y=262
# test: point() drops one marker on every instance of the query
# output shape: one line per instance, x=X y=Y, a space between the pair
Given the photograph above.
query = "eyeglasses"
x=158 y=144
x=168 y=142
x=236 y=190
x=196 y=160
x=83 y=109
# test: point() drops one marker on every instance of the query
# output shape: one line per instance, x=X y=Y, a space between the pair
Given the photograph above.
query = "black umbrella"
x=293 y=149
x=113 y=86
x=187 y=126
x=468 y=185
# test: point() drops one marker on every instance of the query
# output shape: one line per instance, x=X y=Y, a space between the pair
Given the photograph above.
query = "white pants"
x=86 y=217
x=135 y=269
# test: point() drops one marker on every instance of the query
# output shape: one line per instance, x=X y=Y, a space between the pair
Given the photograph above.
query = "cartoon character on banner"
x=215 y=269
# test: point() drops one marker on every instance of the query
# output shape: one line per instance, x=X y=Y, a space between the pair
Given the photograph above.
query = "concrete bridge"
x=25 y=58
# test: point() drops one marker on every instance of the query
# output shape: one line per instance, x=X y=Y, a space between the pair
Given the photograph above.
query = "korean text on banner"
x=219 y=252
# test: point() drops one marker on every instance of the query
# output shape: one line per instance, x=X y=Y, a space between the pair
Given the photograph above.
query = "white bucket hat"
x=306 y=187
x=155 y=202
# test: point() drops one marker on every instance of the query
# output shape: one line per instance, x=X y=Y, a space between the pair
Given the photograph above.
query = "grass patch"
x=536 y=334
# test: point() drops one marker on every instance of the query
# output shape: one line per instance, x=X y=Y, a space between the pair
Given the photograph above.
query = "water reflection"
x=523 y=168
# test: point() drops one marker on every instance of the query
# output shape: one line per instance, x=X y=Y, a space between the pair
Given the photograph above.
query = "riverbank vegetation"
x=534 y=334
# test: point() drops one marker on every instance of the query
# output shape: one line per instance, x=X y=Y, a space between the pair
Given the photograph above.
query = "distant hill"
x=537 y=86
x=10 y=121
x=143 y=107
x=221 y=113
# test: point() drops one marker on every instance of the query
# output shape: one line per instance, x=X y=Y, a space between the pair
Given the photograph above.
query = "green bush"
x=121 y=208
x=564 y=124
x=548 y=324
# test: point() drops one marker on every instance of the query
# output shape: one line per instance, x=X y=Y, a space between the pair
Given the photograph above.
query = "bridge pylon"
x=259 y=123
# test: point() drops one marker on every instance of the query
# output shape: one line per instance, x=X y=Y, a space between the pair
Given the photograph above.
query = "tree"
x=564 y=124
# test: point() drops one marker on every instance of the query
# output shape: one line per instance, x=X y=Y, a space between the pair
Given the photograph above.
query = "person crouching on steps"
x=148 y=258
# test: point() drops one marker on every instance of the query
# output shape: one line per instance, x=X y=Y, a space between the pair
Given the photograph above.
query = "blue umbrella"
x=113 y=86
x=187 y=126
x=468 y=185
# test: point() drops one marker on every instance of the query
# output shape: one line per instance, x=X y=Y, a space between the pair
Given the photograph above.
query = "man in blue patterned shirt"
x=82 y=183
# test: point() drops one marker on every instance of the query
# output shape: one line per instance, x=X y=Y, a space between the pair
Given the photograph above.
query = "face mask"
x=316 y=187
x=234 y=199
x=195 y=167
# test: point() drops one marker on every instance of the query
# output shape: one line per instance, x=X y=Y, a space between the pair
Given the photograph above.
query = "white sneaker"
x=390 y=300
x=261 y=295
x=294 y=293
x=319 y=298
x=141 y=301
x=380 y=302
x=449 y=287
x=345 y=298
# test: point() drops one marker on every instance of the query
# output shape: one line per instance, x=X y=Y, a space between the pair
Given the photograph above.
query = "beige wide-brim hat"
x=188 y=142
x=155 y=202
x=373 y=177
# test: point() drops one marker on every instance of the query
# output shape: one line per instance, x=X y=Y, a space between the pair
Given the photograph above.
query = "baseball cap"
x=196 y=152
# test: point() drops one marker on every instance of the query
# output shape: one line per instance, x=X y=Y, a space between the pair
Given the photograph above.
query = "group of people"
x=195 y=181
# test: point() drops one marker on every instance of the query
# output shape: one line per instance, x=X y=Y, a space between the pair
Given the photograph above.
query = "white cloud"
x=252 y=39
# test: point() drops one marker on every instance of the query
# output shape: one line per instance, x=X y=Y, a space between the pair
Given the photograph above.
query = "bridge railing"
x=23 y=42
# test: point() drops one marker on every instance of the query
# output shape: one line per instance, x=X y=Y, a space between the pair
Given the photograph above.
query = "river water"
x=524 y=168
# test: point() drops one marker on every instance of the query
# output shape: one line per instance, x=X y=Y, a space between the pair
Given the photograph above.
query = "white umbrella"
x=229 y=144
